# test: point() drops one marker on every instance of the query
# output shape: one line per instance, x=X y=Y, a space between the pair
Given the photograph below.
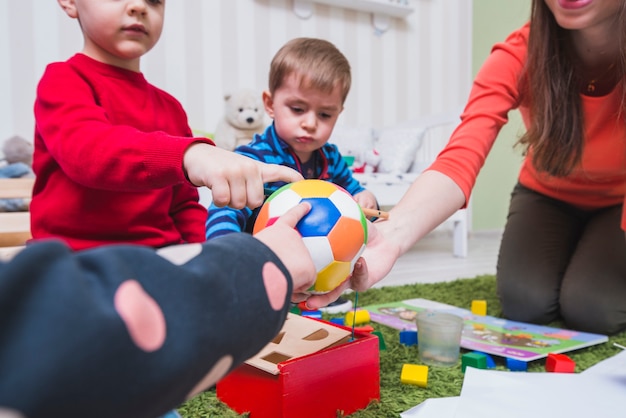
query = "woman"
x=563 y=252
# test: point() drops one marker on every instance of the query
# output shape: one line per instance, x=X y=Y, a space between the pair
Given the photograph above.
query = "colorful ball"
x=334 y=231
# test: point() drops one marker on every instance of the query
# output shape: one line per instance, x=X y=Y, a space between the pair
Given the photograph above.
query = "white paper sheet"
x=496 y=394
x=433 y=408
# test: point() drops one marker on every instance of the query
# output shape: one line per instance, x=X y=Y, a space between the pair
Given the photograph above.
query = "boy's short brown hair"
x=319 y=64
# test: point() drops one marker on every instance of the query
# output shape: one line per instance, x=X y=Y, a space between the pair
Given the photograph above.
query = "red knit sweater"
x=108 y=160
x=599 y=181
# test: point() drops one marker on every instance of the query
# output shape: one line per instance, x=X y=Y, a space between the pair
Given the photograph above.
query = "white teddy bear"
x=244 y=116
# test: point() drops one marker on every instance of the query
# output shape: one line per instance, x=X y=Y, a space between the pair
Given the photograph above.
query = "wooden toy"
x=560 y=363
x=408 y=337
x=473 y=359
x=358 y=317
x=515 y=365
x=381 y=340
x=414 y=374
x=479 y=307
x=291 y=378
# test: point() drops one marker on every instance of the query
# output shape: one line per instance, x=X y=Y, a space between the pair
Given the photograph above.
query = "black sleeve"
x=120 y=331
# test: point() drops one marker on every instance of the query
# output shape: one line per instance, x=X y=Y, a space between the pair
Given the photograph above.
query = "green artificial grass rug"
x=396 y=397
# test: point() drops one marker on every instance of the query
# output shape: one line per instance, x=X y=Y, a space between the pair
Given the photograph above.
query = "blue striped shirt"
x=269 y=148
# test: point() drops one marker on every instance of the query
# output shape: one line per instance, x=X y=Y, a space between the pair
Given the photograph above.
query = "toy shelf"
x=381 y=9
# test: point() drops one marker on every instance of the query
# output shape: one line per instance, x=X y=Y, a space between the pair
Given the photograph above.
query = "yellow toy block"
x=479 y=307
x=361 y=316
x=414 y=374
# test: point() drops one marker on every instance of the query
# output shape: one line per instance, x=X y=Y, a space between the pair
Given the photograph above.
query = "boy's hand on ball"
x=235 y=180
x=282 y=238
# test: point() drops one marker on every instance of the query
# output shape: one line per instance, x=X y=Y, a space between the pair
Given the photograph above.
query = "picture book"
x=497 y=336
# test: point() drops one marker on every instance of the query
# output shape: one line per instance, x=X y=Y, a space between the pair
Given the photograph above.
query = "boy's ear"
x=268 y=103
x=69 y=7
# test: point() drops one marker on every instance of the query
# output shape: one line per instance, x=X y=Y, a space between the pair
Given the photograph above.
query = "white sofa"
x=406 y=150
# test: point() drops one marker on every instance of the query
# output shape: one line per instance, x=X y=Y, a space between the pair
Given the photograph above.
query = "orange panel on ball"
x=346 y=238
x=261 y=220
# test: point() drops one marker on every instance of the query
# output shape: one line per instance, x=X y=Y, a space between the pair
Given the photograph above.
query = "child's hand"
x=366 y=199
x=234 y=180
x=282 y=238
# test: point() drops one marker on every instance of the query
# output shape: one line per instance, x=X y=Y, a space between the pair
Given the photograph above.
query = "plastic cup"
x=439 y=338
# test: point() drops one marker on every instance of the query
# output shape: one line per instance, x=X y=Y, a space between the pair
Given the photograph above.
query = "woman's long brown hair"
x=551 y=84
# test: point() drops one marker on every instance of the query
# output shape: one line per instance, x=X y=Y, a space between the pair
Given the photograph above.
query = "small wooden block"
x=414 y=374
x=560 y=363
x=479 y=307
x=473 y=359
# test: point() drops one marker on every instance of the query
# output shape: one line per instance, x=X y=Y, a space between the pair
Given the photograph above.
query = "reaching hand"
x=282 y=238
x=375 y=263
x=234 y=180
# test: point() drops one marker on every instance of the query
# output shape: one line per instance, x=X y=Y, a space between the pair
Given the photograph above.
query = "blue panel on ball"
x=320 y=220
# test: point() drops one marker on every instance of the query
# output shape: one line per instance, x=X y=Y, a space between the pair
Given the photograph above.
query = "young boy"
x=114 y=158
x=309 y=81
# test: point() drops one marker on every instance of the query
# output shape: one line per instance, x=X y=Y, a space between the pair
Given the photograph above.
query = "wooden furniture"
x=15 y=226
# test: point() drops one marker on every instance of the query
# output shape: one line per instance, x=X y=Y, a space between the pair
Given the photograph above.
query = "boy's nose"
x=137 y=6
x=309 y=120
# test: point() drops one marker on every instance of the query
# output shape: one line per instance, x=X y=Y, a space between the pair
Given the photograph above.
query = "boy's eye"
x=296 y=109
x=325 y=115
x=155 y=1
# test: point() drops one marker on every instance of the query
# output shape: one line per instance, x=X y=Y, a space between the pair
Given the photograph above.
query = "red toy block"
x=560 y=363
x=344 y=377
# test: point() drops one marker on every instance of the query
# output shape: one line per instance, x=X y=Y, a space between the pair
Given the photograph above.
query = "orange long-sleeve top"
x=598 y=181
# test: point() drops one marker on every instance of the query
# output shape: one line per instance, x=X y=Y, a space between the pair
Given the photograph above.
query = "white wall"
x=421 y=65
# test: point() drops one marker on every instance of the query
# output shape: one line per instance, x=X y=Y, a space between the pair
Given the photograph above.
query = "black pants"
x=557 y=261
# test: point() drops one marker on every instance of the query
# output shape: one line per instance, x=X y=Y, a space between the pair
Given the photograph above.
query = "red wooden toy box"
x=345 y=378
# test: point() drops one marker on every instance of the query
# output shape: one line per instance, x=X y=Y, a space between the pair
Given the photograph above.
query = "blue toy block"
x=408 y=337
x=515 y=365
x=338 y=321
x=312 y=314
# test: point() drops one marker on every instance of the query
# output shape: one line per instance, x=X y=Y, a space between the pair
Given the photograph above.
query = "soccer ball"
x=334 y=231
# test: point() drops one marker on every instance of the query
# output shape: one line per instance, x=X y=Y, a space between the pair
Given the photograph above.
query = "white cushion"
x=397 y=148
x=351 y=140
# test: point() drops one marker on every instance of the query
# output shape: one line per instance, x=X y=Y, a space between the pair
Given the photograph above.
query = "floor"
x=431 y=259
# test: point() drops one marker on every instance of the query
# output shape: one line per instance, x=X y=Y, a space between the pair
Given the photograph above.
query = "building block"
x=337 y=321
x=491 y=363
x=414 y=374
x=473 y=359
x=408 y=337
x=312 y=314
x=358 y=317
x=560 y=363
x=343 y=377
x=381 y=341
x=364 y=328
x=516 y=365
x=479 y=307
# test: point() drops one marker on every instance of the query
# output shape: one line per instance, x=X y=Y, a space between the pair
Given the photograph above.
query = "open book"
x=497 y=336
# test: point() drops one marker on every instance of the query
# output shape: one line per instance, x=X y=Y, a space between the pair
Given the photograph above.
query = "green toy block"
x=414 y=374
x=473 y=359
x=381 y=341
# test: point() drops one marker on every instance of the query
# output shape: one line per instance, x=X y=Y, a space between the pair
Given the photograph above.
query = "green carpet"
x=397 y=397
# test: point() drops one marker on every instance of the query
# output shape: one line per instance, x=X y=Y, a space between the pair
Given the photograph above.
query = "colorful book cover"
x=497 y=336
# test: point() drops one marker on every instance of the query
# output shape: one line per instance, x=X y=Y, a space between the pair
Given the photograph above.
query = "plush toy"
x=368 y=162
x=244 y=116
x=18 y=150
